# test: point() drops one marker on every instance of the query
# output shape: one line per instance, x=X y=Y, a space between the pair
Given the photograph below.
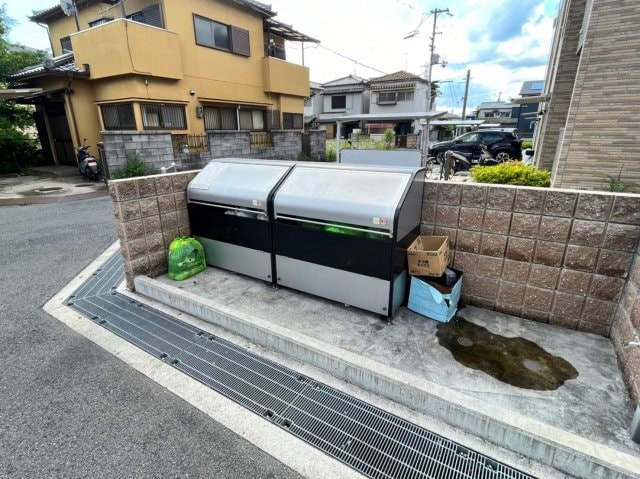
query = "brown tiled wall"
x=627 y=328
x=561 y=79
x=568 y=258
x=150 y=212
x=558 y=257
x=600 y=136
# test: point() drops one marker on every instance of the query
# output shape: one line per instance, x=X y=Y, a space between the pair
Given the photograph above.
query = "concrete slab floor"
x=595 y=405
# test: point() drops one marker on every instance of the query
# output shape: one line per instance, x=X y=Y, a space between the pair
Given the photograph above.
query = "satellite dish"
x=68 y=7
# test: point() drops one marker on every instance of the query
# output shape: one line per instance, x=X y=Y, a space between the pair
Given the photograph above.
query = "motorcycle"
x=87 y=164
x=457 y=161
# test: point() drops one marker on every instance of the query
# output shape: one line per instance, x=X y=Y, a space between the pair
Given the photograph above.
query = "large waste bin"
x=341 y=232
x=229 y=211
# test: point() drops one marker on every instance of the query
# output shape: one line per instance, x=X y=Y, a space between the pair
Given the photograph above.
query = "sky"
x=502 y=42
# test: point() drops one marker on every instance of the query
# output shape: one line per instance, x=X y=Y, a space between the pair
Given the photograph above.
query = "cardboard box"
x=428 y=255
x=433 y=299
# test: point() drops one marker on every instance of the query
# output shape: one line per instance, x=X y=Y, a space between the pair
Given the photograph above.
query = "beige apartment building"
x=588 y=123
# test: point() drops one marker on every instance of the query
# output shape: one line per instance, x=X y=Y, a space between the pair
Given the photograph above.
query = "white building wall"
x=419 y=102
x=354 y=104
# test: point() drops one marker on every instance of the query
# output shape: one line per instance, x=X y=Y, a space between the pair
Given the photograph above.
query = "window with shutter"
x=240 y=41
x=212 y=34
x=152 y=15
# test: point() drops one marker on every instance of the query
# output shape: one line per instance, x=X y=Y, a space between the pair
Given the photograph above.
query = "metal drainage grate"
x=366 y=438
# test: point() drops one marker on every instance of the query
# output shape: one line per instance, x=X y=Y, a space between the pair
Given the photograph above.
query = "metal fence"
x=190 y=143
x=260 y=139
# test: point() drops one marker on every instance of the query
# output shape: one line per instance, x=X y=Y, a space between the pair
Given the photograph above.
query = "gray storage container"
x=341 y=232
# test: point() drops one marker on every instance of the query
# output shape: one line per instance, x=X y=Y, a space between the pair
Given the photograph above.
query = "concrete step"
x=562 y=450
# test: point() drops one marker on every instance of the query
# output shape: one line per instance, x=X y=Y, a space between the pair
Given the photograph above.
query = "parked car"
x=502 y=145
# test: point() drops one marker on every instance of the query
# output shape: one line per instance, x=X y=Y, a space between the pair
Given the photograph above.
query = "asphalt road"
x=68 y=408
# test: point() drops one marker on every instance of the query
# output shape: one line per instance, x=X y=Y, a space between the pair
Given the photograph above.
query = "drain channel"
x=366 y=438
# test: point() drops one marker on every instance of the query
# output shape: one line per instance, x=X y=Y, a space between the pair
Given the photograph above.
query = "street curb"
x=42 y=200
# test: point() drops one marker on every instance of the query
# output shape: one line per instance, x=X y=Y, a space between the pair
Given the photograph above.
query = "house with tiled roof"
x=186 y=68
x=346 y=96
x=397 y=93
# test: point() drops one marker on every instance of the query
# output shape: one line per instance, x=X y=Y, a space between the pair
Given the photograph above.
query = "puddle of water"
x=515 y=361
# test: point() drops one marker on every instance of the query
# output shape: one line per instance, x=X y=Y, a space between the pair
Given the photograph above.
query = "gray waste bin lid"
x=237 y=182
x=358 y=195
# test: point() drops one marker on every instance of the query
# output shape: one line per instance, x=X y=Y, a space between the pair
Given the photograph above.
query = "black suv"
x=501 y=144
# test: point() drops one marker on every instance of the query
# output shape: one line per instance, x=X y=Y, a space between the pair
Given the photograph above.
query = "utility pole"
x=432 y=48
x=464 y=103
x=466 y=95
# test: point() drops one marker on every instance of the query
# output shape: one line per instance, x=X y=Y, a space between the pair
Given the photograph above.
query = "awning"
x=457 y=122
x=287 y=32
x=14 y=93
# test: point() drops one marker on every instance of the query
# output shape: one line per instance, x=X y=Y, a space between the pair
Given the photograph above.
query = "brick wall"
x=558 y=257
x=626 y=328
x=150 y=212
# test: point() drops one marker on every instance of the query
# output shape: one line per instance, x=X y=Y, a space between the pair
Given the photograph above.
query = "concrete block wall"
x=150 y=212
x=153 y=147
x=318 y=143
x=626 y=329
x=229 y=144
x=287 y=145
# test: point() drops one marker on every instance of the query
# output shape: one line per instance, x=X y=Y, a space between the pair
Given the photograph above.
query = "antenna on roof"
x=69 y=8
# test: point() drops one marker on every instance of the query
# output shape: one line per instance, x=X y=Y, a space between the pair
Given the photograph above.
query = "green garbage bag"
x=186 y=258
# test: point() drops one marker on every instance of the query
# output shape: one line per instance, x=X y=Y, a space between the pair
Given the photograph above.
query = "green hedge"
x=511 y=173
x=526 y=144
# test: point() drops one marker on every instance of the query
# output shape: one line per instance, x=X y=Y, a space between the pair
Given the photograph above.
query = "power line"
x=351 y=59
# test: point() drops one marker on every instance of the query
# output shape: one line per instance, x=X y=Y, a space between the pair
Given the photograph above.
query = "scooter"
x=457 y=161
x=87 y=164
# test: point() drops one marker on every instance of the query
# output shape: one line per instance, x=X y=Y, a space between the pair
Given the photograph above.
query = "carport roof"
x=18 y=93
x=390 y=116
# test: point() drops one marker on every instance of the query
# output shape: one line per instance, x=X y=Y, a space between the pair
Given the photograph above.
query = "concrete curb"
x=549 y=445
x=41 y=200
